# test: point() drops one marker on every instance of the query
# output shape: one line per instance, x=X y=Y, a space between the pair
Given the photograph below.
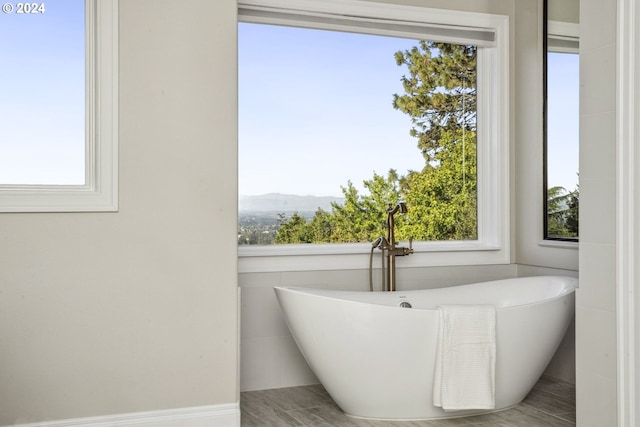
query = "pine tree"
x=440 y=92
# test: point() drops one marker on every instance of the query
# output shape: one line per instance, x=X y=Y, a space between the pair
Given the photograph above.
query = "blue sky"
x=294 y=115
x=563 y=119
x=42 y=95
x=315 y=111
x=299 y=133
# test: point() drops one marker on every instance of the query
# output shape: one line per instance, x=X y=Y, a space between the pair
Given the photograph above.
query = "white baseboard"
x=227 y=415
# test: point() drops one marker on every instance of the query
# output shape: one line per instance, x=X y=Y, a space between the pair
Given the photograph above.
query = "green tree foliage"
x=443 y=199
x=440 y=97
x=360 y=218
x=292 y=230
x=572 y=214
x=562 y=213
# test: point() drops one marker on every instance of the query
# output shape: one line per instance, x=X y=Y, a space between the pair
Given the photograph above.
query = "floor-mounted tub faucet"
x=389 y=246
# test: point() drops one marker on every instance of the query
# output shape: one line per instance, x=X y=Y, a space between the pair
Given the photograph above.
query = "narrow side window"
x=561 y=129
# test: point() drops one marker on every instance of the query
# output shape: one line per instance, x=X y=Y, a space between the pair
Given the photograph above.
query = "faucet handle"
x=409 y=251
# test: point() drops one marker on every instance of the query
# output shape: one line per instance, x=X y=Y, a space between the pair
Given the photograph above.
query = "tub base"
x=457 y=414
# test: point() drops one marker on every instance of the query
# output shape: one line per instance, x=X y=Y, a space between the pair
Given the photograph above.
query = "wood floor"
x=551 y=403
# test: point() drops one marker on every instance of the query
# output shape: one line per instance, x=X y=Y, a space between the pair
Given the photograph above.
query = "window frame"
x=100 y=191
x=493 y=244
x=565 y=37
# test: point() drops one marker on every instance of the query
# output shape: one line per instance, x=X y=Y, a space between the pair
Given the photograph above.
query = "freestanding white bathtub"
x=377 y=359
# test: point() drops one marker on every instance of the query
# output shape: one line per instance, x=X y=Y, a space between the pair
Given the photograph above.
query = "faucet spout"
x=391 y=211
x=399 y=207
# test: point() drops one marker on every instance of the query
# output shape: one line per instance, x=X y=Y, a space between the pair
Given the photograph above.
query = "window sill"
x=560 y=244
x=355 y=256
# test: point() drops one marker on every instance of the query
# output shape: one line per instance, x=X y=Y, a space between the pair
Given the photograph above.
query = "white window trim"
x=627 y=224
x=493 y=244
x=558 y=32
x=100 y=193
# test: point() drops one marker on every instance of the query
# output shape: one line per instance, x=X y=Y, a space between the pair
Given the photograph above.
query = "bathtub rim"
x=320 y=294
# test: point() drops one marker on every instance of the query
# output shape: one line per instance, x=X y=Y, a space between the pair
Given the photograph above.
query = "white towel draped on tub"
x=466 y=358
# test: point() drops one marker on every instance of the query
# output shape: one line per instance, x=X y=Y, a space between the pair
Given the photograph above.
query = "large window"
x=58 y=106
x=336 y=126
x=340 y=117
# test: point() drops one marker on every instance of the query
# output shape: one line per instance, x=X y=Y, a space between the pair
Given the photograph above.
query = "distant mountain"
x=275 y=202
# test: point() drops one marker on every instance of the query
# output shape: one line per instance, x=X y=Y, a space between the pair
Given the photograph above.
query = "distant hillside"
x=275 y=202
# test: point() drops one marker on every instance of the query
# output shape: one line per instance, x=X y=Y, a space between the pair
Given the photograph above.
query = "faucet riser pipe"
x=391 y=273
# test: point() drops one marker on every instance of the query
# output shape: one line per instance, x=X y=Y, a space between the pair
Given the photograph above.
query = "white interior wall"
x=596 y=347
x=111 y=313
x=564 y=11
